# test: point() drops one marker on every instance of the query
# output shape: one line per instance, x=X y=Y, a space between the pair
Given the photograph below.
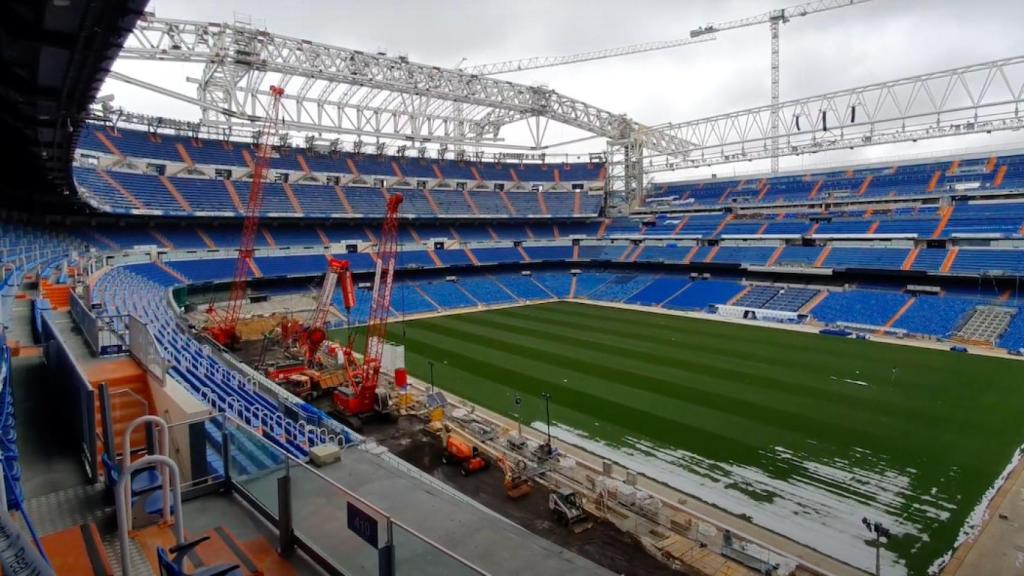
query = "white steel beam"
x=973 y=99
x=345 y=89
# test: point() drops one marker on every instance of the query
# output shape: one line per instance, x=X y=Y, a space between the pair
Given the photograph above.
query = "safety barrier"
x=351 y=535
x=73 y=386
x=145 y=349
x=107 y=334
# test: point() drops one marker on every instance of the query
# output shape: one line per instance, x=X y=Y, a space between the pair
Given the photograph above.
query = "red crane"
x=313 y=334
x=358 y=397
x=224 y=329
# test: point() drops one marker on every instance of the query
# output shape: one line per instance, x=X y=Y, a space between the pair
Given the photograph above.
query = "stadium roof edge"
x=57 y=55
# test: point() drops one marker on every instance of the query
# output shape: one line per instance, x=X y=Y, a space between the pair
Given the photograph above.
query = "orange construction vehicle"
x=517 y=484
x=464 y=454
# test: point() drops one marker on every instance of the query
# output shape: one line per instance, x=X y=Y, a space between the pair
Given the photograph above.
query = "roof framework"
x=403 y=104
x=979 y=98
x=339 y=90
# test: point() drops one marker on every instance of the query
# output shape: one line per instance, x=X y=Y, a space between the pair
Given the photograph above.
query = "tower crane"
x=224 y=328
x=536 y=62
x=358 y=396
x=774 y=19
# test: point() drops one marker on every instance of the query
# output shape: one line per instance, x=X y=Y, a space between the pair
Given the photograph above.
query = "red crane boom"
x=359 y=397
x=225 y=326
x=338 y=272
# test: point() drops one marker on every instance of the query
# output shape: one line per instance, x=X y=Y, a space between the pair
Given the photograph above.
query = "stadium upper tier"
x=977 y=224
x=135 y=172
x=974 y=176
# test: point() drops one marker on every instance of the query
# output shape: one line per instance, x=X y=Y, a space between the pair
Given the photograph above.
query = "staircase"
x=59 y=295
x=128 y=386
x=985 y=325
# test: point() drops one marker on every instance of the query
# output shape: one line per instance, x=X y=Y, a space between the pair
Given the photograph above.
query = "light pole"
x=431 y=364
x=518 y=400
x=880 y=532
x=547 y=410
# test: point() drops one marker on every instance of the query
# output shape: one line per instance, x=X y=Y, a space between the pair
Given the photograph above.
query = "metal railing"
x=107 y=334
x=144 y=348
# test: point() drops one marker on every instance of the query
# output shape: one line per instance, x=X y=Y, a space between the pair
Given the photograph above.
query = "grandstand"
x=731 y=371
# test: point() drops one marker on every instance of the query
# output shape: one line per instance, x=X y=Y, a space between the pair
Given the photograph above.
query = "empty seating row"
x=188 y=150
x=131 y=193
x=927 y=178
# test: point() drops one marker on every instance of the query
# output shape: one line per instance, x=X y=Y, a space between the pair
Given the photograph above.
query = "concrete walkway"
x=491 y=543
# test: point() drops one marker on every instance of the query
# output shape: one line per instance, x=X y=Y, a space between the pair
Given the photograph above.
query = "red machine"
x=359 y=395
x=313 y=335
x=314 y=376
x=224 y=328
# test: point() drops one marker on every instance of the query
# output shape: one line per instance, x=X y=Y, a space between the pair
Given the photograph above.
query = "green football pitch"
x=803 y=433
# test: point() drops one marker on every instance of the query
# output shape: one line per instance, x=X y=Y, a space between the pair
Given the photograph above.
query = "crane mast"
x=359 y=396
x=774 y=19
x=225 y=326
x=383 y=282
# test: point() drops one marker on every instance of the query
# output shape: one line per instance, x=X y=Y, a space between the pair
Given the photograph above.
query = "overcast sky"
x=876 y=41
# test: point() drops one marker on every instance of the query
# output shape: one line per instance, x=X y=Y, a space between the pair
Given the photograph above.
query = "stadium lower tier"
x=141 y=289
x=875 y=309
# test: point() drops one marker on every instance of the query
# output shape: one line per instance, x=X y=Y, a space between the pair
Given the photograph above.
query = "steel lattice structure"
x=340 y=90
x=400 y=104
x=973 y=99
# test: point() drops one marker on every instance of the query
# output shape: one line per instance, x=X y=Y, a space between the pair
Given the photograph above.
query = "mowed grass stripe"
x=697 y=384
x=798 y=356
x=743 y=374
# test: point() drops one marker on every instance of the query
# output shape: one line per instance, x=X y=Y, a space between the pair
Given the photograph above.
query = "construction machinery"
x=313 y=373
x=359 y=395
x=309 y=337
x=223 y=328
x=566 y=506
x=464 y=454
x=517 y=483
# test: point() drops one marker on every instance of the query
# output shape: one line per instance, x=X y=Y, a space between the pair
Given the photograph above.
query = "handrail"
x=162 y=449
x=121 y=505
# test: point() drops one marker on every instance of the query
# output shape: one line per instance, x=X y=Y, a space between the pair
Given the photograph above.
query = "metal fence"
x=107 y=335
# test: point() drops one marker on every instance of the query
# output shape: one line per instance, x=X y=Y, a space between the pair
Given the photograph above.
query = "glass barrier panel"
x=196 y=449
x=254 y=464
x=339 y=527
x=416 y=556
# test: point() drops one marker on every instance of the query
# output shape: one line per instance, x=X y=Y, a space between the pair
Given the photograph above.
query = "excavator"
x=517 y=483
x=358 y=397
